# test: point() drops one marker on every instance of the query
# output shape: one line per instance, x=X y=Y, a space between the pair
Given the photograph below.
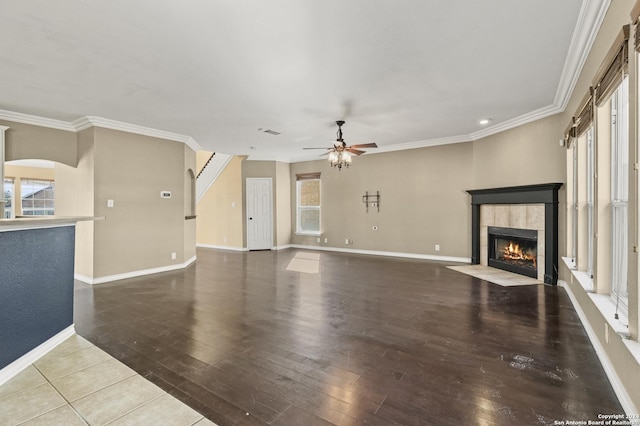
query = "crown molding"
x=423 y=144
x=591 y=15
x=516 y=122
x=18 y=117
x=93 y=121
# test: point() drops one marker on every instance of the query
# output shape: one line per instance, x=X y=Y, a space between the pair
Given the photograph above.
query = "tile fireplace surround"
x=520 y=216
x=523 y=207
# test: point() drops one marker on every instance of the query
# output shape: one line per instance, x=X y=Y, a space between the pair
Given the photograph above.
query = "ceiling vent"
x=272 y=132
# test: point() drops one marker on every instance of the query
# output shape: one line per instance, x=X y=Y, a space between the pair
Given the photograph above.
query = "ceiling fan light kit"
x=340 y=153
x=339 y=159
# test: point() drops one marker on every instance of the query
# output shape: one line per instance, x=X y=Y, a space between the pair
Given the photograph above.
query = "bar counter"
x=36 y=287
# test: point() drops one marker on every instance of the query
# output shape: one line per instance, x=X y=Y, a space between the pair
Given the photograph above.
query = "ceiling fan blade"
x=354 y=151
x=326 y=153
x=365 y=145
x=317 y=148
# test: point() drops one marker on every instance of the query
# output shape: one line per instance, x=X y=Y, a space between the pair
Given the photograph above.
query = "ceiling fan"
x=339 y=154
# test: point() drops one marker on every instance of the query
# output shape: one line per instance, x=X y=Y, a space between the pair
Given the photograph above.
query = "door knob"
x=250 y=218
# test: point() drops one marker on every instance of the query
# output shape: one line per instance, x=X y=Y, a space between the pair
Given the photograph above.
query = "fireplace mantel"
x=546 y=194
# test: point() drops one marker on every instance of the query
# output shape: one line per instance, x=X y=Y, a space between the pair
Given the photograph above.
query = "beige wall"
x=141 y=230
x=283 y=204
x=422 y=201
x=26 y=172
x=94 y=165
x=202 y=157
x=28 y=142
x=219 y=221
x=74 y=196
x=525 y=155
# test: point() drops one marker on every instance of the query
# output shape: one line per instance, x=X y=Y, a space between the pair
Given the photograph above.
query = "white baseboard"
x=386 y=253
x=83 y=278
x=284 y=247
x=35 y=354
x=133 y=274
x=213 y=246
x=619 y=389
x=348 y=250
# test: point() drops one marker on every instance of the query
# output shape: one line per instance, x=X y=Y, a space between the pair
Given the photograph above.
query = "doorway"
x=259 y=213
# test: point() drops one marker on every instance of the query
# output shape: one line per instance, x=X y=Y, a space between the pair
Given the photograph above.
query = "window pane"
x=309 y=220
x=308 y=206
x=37 y=197
x=310 y=193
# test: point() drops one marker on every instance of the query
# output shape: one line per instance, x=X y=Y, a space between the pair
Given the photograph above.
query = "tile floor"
x=78 y=384
x=495 y=275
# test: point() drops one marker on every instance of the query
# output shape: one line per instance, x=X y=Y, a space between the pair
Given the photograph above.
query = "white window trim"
x=299 y=207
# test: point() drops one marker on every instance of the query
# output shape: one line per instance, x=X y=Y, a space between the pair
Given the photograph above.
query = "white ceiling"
x=402 y=73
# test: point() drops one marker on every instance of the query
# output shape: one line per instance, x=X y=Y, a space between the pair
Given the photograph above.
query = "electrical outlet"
x=318 y=240
x=437 y=247
x=109 y=203
x=173 y=256
x=346 y=241
x=326 y=240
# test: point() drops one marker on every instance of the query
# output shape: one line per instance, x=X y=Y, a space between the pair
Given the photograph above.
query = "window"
x=8 y=198
x=37 y=197
x=619 y=193
x=308 y=203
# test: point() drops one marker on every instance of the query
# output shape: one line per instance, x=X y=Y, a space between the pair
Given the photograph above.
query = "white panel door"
x=259 y=212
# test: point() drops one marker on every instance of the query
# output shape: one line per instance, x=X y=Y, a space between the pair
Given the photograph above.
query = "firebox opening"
x=514 y=250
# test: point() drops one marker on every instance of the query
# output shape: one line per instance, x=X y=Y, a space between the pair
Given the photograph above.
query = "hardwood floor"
x=367 y=340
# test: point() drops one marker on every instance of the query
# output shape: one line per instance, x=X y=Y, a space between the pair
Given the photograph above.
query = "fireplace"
x=532 y=207
x=513 y=250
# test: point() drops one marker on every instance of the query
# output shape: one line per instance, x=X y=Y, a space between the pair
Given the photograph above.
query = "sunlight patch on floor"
x=308 y=263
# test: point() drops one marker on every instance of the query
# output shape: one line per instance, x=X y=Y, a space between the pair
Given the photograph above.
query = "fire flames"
x=513 y=252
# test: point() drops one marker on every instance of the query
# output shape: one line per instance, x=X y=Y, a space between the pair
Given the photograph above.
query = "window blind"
x=570 y=134
x=308 y=176
x=584 y=116
x=581 y=121
x=635 y=16
x=613 y=69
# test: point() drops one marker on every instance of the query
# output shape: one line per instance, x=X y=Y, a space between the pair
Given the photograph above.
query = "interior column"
x=2 y=130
